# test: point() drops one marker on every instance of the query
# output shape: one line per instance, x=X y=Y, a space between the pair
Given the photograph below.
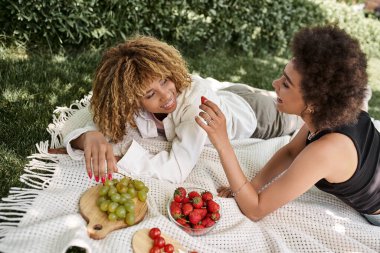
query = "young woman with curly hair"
x=145 y=83
x=337 y=149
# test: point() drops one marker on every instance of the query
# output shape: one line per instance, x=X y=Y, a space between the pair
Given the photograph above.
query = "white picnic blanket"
x=44 y=217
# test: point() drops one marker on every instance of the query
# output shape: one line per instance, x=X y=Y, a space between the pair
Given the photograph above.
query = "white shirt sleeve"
x=77 y=154
x=173 y=166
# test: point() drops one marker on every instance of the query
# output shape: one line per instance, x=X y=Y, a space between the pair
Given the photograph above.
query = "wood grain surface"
x=98 y=224
x=142 y=243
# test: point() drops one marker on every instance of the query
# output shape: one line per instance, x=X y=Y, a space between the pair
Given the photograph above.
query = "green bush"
x=256 y=26
x=366 y=30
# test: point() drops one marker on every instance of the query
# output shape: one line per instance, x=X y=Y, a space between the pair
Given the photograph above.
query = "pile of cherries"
x=159 y=242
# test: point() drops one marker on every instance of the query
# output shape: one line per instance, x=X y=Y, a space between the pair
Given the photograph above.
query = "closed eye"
x=149 y=95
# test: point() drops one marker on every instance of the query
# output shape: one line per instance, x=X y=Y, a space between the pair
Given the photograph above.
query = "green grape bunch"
x=117 y=198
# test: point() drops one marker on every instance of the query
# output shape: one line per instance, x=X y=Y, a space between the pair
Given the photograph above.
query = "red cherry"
x=169 y=248
x=159 y=242
x=155 y=249
x=154 y=233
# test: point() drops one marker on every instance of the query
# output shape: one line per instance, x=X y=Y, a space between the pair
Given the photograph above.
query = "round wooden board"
x=142 y=243
x=98 y=224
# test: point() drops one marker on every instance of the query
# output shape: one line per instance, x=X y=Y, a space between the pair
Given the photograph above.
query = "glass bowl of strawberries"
x=194 y=210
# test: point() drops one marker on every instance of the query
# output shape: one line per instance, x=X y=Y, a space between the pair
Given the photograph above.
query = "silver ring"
x=209 y=120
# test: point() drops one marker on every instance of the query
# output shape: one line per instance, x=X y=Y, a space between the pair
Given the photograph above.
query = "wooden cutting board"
x=142 y=243
x=98 y=224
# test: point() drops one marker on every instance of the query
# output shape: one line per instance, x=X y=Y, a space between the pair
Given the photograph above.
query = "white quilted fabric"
x=44 y=217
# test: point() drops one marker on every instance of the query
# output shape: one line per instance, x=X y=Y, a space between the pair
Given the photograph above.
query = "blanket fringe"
x=37 y=175
x=61 y=114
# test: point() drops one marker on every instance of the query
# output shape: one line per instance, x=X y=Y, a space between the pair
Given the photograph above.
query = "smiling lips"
x=169 y=104
x=279 y=100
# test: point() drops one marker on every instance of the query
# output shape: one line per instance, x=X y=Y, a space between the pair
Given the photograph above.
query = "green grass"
x=32 y=85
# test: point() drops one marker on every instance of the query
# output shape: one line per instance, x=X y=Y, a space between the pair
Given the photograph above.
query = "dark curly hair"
x=333 y=71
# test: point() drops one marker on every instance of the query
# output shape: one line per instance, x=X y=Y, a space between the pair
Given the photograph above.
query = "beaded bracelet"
x=233 y=194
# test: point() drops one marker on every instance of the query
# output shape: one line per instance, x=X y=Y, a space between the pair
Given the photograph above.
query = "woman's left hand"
x=224 y=192
x=215 y=125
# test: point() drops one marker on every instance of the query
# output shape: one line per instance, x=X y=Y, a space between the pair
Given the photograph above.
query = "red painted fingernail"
x=97 y=178
x=103 y=179
x=203 y=100
x=110 y=176
x=89 y=174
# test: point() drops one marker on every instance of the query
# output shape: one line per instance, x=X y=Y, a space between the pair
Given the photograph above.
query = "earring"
x=310 y=110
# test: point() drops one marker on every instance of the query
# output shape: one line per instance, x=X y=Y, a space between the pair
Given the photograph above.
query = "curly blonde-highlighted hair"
x=124 y=74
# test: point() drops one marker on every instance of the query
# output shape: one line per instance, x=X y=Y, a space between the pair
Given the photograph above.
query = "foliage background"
x=49 y=50
x=255 y=26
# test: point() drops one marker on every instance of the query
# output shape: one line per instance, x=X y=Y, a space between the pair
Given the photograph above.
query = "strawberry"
x=206 y=221
x=198 y=226
x=176 y=212
x=197 y=202
x=215 y=216
x=203 y=100
x=175 y=204
x=210 y=223
x=206 y=196
x=181 y=221
x=179 y=194
x=194 y=217
x=185 y=200
x=187 y=208
x=201 y=211
x=212 y=206
x=193 y=194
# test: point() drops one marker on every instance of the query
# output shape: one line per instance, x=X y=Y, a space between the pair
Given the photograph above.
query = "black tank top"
x=362 y=190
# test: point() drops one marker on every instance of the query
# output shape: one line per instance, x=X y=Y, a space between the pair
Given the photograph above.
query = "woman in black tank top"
x=338 y=147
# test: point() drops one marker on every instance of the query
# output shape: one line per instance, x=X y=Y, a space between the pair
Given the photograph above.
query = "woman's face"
x=160 y=97
x=287 y=87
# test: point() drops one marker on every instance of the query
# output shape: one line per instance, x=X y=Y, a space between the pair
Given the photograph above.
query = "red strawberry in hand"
x=179 y=194
x=187 y=208
x=197 y=202
x=194 y=217
x=206 y=196
x=203 y=100
x=212 y=206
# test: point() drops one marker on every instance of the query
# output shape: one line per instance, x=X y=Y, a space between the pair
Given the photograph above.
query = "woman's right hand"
x=98 y=153
x=216 y=127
